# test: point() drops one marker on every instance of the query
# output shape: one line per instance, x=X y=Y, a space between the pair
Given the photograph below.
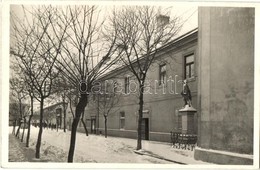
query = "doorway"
x=145 y=128
x=93 y=125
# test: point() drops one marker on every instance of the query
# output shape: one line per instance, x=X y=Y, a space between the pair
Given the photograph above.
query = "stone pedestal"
x=188 y=126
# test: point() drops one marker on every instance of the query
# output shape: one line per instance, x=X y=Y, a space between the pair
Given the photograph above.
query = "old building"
x=175 y=61
x=52 y=115
x=217 y=59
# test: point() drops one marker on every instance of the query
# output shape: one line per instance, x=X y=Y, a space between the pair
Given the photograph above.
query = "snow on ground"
x=95 y=148
x=16 y=152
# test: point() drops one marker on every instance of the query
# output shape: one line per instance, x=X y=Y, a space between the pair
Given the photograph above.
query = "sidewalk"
x=166 y=152
x=19 y=153
x=97 y=149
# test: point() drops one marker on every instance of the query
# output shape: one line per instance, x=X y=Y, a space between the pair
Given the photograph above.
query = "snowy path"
x=16 y=153
x=98 y=149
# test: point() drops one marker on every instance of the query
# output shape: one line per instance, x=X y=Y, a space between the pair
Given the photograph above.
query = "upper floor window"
x=162 y=74
x=127 y=85
x=115 y=87
x=122 y=120
x=189 y=70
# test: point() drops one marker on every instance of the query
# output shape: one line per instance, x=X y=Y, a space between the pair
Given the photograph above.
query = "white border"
x=5 y=88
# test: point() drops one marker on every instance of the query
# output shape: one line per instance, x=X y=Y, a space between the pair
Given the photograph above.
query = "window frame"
x=189 y=64
x=127 y=85
x=161 y=74
x=121 y=118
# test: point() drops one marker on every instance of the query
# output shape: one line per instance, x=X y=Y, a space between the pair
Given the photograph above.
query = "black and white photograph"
x=122 y=84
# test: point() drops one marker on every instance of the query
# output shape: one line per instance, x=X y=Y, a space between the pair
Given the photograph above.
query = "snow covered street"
x=95 y=149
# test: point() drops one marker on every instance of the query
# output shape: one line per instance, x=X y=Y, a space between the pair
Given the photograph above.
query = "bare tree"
x=18 y=71
x=141 y=30
x=85 y=56
x=17 y=89
x=30 y=91
x=107 y=100
x=64 y=91
x=13 y=114
x=36 y=44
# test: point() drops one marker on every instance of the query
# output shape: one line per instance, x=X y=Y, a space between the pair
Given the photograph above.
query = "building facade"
x=226 y=85
x=53 y=115
x=217 y=60
x=162 y=99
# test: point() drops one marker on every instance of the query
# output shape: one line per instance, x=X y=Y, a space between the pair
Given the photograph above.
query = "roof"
x=170 y=44
x=52 y=106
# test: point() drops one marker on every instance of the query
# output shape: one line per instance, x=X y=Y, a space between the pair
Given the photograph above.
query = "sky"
x=188 y=15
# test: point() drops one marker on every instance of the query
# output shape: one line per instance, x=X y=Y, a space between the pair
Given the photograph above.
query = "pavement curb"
x=142 y=152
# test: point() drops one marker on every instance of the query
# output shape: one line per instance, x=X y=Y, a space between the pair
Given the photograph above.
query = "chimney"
x=162 y=20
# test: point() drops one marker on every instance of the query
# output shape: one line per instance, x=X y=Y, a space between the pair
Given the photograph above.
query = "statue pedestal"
x=188 y=126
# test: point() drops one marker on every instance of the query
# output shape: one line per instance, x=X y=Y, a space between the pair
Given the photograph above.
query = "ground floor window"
x=122 y=120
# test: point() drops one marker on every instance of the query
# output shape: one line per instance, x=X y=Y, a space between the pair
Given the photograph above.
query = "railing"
x=183 y=141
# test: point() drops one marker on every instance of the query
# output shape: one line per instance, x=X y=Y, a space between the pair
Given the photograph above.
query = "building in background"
x=53 y=115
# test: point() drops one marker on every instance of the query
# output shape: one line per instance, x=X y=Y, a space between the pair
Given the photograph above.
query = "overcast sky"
x=188 y=14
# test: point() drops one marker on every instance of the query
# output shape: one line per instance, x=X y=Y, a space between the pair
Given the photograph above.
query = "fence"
x=183 y=141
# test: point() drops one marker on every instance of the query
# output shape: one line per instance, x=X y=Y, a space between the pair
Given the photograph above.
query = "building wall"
x=226 y=81
x=162 y=103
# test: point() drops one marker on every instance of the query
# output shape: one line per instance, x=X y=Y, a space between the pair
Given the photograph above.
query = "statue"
x=186 y=94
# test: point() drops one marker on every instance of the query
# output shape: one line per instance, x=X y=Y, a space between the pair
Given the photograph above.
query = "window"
x=115 y=87
x=122 y=120
x=162 y=74
x=189 y=66
x=127 y=83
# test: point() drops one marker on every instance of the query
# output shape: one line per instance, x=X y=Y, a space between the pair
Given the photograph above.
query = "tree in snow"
x=107 y=100
x=17 y=73
x=141 y=30
x=36 y=44
x=17 y=104
x=84 y=57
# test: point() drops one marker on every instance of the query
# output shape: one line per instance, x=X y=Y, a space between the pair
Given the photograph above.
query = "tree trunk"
x=14 y=125
x=29 y=124
x=20 y=119
x=38 y=145
x=140 y=117
x=79 y=110
x=57 y=127
x=84 y=125
x=18 y=130
x=24 y=123
x=64 y=117
x=105 y=126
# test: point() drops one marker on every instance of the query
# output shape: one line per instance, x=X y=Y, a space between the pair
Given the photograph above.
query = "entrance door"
x=93 y=125
x=145 y=128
